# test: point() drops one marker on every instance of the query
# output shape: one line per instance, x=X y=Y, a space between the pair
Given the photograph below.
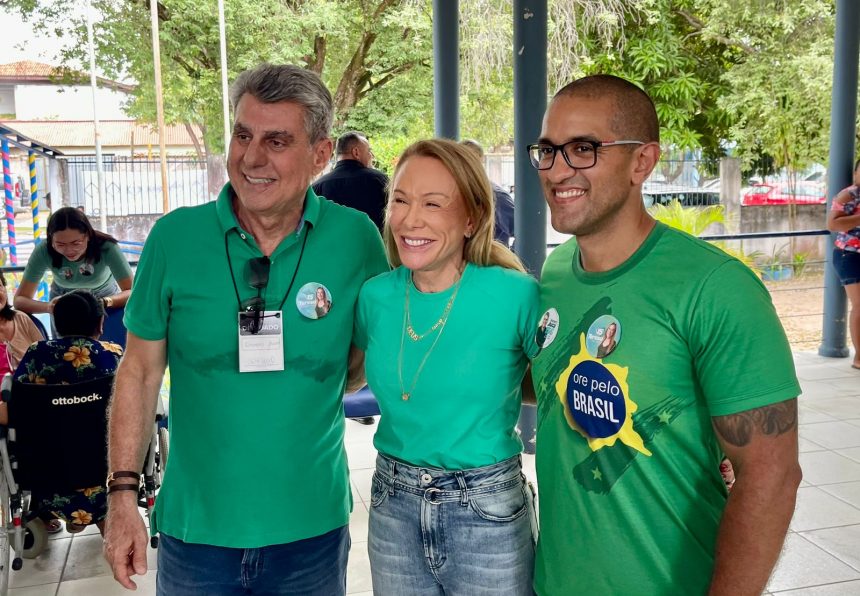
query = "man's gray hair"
x=272 y=83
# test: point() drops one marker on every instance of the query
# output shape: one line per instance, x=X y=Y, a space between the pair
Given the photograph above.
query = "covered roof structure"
x=22 y=141
x=80 y=133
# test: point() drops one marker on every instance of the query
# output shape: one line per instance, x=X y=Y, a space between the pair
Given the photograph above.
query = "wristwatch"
x=107 y=301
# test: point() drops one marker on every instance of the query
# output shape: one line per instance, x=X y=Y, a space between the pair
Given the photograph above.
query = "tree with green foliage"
x=359 y=47
x=752 y=76
x=780 y=99
x=653 y=43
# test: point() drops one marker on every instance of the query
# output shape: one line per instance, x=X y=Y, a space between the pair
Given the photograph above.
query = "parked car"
x=805 y=193
x=688 y=197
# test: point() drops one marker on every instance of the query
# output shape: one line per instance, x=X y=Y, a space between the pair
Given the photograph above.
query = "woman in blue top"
x=80 y=257
x=448 y=335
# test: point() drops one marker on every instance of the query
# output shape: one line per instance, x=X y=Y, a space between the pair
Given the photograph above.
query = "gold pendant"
x=405 y=397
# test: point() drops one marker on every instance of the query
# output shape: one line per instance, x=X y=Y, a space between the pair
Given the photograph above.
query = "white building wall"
x=7 y=99
x=54 y=102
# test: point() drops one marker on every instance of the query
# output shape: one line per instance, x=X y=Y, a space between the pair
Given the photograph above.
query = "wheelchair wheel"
x=163 y=450
x=35 y=538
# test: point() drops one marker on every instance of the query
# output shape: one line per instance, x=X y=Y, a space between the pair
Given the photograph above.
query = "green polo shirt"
x=255 y=458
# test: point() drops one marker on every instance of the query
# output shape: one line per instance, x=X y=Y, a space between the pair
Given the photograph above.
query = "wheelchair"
x=33 y=461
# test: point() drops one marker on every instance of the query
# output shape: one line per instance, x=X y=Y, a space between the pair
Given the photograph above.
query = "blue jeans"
x=847 y=265
x=464 y=533
x=311 y=567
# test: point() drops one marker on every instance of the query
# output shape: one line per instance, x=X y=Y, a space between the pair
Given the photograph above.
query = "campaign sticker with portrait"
x=547 y=328
x=313 y=300
x=603 y=336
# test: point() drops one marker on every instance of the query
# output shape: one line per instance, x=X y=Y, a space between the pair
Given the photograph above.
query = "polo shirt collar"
x=227 y=218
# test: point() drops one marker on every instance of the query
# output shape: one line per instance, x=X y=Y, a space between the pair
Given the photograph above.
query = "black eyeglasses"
x=256 y=276
x=579 y=155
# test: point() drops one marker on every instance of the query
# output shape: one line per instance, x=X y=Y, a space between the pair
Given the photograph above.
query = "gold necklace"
x=440 y=324
x=413 y=335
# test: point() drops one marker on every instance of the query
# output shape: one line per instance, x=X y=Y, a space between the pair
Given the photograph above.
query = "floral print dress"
x=66 y=361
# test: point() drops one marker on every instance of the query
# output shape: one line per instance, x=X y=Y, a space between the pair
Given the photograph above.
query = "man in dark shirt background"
x=504 y=203
x=353 y=182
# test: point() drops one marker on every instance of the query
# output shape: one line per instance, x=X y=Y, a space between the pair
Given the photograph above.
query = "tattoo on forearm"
x=738 y=429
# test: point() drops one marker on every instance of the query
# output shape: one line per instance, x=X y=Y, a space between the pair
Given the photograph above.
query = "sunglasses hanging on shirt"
x=261 y=332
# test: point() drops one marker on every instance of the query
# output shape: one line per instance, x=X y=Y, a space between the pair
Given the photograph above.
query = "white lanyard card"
x=264 y=350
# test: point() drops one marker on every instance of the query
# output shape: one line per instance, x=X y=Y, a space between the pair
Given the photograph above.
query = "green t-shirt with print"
x=80 y=274
x=256 y=458
x=628 y=463
x=465 y=402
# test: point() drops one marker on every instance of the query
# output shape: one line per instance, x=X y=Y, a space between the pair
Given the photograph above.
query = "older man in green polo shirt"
x=256 y=495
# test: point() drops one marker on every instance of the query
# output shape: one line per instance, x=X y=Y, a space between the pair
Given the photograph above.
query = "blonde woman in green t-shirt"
x=448 y=335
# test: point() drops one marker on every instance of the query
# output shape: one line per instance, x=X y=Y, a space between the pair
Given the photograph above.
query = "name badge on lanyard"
x=261 y=341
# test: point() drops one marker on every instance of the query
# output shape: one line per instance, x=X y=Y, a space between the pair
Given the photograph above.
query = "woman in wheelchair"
x=17 y=332
x=76 y=357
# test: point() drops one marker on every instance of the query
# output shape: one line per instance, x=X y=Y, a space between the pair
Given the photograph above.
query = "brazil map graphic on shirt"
x=601 y=407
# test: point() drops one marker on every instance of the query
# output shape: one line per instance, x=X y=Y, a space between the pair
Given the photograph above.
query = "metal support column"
x=843 y=118
x=34 y=197
x=530 y=35
x=10 y=204
x=446 y=68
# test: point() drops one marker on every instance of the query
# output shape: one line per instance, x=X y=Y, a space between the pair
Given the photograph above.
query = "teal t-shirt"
x=464 y=406
x=81 y=274
x=255 y=458
x=631 y=495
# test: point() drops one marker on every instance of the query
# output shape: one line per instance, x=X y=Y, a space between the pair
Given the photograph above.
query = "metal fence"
x=133 y=185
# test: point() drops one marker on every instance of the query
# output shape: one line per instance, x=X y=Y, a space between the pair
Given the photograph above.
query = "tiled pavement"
x=821 y=556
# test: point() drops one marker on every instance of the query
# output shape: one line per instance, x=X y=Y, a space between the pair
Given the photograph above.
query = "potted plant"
x=776 y=268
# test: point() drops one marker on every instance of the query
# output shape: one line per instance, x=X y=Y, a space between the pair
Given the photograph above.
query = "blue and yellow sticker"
x=596 y=400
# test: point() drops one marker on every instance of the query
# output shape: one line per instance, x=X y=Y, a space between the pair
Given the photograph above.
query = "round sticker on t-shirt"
x=313 y=300
x=67 y=273
x=603 y=336
x=86 y=269
x=547 y=328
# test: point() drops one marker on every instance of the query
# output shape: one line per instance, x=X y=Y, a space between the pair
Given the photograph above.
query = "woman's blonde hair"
x=477 y=193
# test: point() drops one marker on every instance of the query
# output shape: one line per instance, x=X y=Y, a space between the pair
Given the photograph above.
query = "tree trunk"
x=356 y=75
x=195 y=141
x=316 y=61
x=216 y=170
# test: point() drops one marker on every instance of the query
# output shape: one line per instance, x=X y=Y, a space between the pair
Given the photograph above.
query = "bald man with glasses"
x=666 y=354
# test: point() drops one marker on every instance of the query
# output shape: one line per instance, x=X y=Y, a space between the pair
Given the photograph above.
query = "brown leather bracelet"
x=121 y=474
x=118 y=487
